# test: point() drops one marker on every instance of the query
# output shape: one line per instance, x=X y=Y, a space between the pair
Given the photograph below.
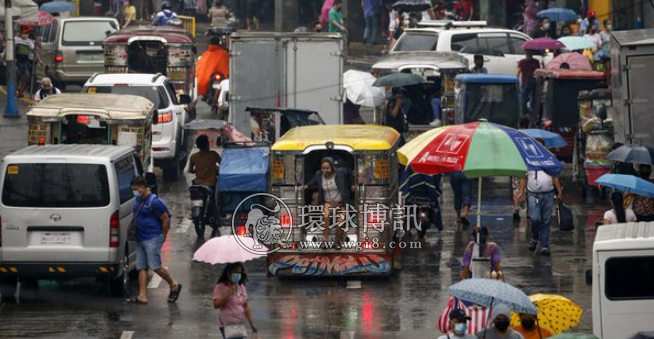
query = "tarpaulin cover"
x=244 y=170
x=496 y=103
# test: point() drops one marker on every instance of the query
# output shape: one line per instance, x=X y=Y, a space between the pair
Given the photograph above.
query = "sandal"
x=136 y=300
x=172 y=297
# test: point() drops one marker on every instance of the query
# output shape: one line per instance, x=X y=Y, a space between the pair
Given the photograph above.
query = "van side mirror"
x=155 y=118
x=184 y=99
x=589 y=277
x=151 y=179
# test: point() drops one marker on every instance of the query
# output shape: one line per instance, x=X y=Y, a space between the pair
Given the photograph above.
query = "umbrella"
x=44 y=19
x=643 y=155
x=204 y=125
x=411 y=6
x=643 y=335
x=574 y=336
x=558 y=14
x=486 y=292
x=550 y=139
x=542 y=44
x=399 y=79
x=628 y=183
x=555 y=313
x=359 y=89
x=574 y=60
x=24 y=10
x=58 y=6
x=227 y=249
x=479 y=149
x=575 y=43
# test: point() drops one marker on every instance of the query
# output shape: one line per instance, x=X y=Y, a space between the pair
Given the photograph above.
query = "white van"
x=64 y=213
x=623 y=280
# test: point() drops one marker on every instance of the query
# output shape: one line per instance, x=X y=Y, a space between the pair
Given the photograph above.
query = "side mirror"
x=155 y=118
x=184 y=99
x=151 y=179
x=589 y=277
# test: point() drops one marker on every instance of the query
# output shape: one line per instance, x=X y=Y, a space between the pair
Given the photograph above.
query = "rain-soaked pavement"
x=406 y=305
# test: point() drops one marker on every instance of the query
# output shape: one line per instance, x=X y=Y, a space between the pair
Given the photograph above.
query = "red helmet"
x=591 y=13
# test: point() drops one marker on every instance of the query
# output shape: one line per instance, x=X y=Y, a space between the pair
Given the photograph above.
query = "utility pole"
x=12 y=110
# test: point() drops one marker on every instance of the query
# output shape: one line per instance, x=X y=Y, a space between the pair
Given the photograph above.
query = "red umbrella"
x=45 y=19
x=574 y=60
x=542 y=44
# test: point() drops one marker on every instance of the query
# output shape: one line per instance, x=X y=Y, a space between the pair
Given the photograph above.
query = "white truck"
x=285 y=70
x=632 y=63
x=622 y=280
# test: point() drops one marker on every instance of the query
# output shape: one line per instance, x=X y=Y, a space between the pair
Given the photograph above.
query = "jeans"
x=461 y=186
x=527 y=94
x=540 y=213
x=371 y=32
x=436 y=108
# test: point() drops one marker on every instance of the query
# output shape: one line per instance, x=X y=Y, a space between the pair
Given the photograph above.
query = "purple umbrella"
x=542 y=44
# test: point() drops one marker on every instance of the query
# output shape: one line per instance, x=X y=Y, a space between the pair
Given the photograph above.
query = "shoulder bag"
x=132 y=235
x=235 y=331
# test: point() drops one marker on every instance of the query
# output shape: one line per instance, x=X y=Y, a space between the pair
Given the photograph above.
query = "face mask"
x=609 y=27
x=528 y=324
x=546 y=25
x=136 y=193
x=593 y=31
x=235 y=278
x=579 y=20
x=502 y=325
x=406 y=23
x=460 y=329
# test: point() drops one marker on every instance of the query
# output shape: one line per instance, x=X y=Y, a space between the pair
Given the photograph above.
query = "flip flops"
x=136 y=300
x=174 y=295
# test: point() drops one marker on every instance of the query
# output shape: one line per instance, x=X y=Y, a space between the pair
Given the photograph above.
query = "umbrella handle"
x=490 y=310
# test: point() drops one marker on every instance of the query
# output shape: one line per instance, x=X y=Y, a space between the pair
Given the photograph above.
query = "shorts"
x=148 y=254
x=253 y=8
x=24 y=69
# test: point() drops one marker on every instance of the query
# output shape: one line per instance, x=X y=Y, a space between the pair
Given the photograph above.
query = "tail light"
x=218 y=77
x=240 y=230
x=83 y=119
x=114 y=230
x=165 y=117
x=59 y=57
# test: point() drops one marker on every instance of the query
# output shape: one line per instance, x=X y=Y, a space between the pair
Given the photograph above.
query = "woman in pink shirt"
x=231 y=297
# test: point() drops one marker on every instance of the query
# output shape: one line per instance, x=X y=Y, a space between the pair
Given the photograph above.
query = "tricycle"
x=495 y=98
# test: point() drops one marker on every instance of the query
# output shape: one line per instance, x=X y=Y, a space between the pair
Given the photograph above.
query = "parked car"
x=168 y=139
x=65 y=212
x=501 y=48
x=72 y=48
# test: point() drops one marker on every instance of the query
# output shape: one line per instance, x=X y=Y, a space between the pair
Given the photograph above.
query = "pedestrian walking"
x=543 y=30
x=397 y=108
x=253 y=11
x=501 y=318
x=25 y=53
x=643 y=206
x=490 y=252
x=461 y=187
x=529 y=16
x=458 y=325
x=540 y=198
x=618 y=213
x=152 y=222
x=230 y=297
x=46 y=89
x=530 y=329
x=336 y=23
x=371 y=14
x=526 y=69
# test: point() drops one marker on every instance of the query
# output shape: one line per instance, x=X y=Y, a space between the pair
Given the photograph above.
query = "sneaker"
x=435 y=123
x=532 y=246
x=545 y=252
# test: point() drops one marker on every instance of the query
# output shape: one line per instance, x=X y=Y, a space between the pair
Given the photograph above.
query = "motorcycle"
x=203 y=210
x=215 y=89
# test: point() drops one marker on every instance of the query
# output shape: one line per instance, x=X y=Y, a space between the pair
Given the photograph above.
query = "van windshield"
x=56 y=185
x=83 y=33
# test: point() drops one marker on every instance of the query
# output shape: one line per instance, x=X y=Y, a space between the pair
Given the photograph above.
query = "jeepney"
x=367 y=242
x=102 y=119
x=167 y=50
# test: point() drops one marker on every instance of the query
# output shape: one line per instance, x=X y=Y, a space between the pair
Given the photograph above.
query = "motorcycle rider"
x=214 y=60
x=165 y=17
x=204 y=163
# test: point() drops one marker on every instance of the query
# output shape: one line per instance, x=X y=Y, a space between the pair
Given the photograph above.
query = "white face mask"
x=609 y=27
x=546 y=25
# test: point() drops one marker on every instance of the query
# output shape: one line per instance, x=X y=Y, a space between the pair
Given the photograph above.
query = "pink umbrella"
x=324 y=13
x=229 y=249
x=45 y=19
x=574 y=60
x=542 y=44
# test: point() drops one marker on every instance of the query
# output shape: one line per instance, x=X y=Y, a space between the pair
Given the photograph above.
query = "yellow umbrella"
x=555 y=313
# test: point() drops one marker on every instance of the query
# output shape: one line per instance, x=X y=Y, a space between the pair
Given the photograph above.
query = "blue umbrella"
x=558 y=14
x=58 y=6
x=628 y=183
x=550 y=139
x=576 y=43
x=486 y=292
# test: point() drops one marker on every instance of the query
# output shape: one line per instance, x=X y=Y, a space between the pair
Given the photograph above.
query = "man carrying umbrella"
x=501 y=319
x=540 y=194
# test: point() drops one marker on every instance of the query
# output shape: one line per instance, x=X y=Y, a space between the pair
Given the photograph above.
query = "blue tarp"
x=244 y=170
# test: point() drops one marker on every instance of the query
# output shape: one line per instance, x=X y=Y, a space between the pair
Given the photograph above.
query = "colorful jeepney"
x=368 y=152
x=103 y=119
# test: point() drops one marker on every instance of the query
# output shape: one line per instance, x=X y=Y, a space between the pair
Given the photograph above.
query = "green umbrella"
x=577 y=335
x=399 y=79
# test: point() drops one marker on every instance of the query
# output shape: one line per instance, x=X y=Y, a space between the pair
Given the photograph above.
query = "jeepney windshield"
x=153 y=93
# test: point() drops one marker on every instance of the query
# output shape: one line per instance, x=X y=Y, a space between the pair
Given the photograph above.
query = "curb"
x=30 y=101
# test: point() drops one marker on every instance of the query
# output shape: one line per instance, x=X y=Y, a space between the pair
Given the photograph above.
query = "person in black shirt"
x=544 y=30
x=396 y=111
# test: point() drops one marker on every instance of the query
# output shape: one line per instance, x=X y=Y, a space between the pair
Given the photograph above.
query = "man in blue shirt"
x=152 y=225
x=371 y=12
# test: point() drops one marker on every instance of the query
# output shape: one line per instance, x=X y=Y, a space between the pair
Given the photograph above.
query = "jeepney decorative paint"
x=330 y=264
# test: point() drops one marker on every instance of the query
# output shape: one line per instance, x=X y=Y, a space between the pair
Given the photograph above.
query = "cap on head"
x=459 y=314
x=46 y=82
x=591 y=13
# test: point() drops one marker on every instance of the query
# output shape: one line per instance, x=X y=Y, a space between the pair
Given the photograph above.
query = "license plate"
x=53 y=238
x=91 y=57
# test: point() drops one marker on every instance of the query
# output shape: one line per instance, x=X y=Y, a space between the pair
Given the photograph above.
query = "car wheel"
x=8 y=288
x=119 y=285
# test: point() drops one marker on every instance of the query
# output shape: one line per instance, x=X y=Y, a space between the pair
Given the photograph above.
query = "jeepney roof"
x=634 y=37
x=108 y=106
x=417 y=59
x=626 y=236
x=569 y=74
x=486 y=79
x=169 y=34
x=357 y=137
